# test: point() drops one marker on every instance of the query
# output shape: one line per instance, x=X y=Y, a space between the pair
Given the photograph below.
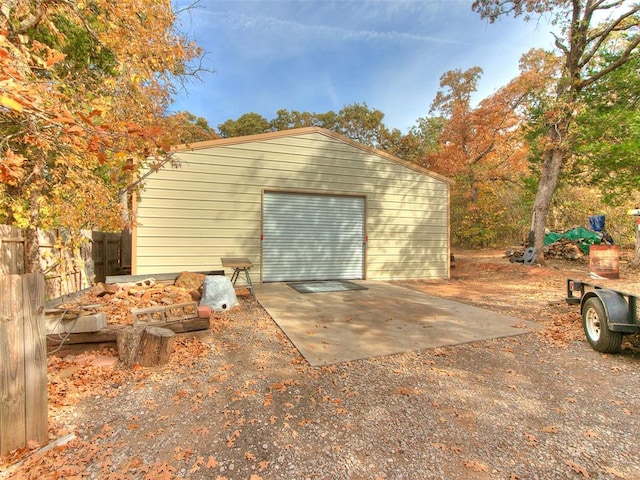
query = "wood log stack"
x=563 y=249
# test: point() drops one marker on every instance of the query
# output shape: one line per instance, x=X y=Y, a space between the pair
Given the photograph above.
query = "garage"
x=300 y=204
x=312 y=237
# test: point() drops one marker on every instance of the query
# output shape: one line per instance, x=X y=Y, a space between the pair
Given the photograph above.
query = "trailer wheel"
x=594 y=322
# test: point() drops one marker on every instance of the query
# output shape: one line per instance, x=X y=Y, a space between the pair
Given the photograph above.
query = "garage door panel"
x=312 y=237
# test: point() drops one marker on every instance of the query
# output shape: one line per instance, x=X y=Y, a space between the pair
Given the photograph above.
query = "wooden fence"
x=68 y=268
x=23 y=362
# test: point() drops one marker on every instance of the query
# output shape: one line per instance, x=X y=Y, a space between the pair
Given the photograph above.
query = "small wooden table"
x=239 y=265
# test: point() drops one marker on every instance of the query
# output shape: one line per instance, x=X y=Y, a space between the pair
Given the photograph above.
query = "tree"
x=483 y=150
x=356 y=121
x=247 y=124
x=607 y=145
x=185 y=128
x=82 y=86
x=362 y=124
x=286 y=120
x=581 y=36
x=422 y=141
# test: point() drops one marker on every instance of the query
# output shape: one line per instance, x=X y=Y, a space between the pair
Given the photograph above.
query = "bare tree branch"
x=601 y=37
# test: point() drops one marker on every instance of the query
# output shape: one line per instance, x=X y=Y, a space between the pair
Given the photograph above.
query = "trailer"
x=607 y=314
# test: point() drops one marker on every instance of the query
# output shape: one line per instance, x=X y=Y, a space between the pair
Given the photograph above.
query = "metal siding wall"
x=312 y=237
x=210 y=207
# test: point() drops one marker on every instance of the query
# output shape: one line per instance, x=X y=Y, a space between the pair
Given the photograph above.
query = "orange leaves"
x=578 y=469
x=54 y=57
x=532 y=441
x=231 y=440
x=614 y=472
x=476 y=466
x=182 y=454
x=61 y=106
x=483 y=149
x=11 y=167
x=249 y=456
x=444 y=447
x=282 y=386
x=407 y=391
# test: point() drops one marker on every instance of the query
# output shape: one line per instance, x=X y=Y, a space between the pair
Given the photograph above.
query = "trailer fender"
x=615 y=306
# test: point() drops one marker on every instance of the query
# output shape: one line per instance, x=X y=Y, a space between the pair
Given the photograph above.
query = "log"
x=128 y=342
x=107 y=334
x=156 y=346
x=144 y=345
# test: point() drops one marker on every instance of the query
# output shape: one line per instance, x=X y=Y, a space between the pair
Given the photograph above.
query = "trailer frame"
x=607 y=314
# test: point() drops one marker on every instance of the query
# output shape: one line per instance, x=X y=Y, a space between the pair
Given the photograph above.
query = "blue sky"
x=320 y=55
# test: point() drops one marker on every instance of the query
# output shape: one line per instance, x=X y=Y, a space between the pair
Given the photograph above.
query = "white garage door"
x=312 y=237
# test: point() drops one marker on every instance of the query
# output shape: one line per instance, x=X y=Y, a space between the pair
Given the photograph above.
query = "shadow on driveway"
x=384 y=319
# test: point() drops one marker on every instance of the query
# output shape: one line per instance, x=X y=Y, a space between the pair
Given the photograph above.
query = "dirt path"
x=240 y=403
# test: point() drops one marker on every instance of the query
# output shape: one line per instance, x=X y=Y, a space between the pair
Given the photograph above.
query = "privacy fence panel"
x=23 y=362
x=106 y=254
x=68 y=266
x=11 y=250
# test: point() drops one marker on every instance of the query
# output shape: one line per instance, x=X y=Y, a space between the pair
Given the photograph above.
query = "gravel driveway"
x=241 y=403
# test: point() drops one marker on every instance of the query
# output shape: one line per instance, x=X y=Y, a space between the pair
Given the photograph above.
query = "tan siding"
x=211 y=206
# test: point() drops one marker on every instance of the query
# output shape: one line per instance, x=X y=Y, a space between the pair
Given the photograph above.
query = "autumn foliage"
x=482 y=148
x=83 y=89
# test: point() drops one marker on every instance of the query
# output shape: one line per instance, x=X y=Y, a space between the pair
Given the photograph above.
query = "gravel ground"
x=239 y=402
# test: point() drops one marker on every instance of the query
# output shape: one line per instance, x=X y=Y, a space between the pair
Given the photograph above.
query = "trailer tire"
x=594 y=323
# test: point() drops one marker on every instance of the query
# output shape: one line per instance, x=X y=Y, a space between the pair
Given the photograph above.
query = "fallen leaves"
x=445 y=447
x=476 y=466
x=404 y=391
x=612 y=471
x=532 y=441
x=235 y=384
x=231 y=440
x=578 y=469
x=197 y=464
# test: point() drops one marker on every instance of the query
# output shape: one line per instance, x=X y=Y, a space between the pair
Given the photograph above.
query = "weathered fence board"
x=11 y=250
x=12 y=387
x=106 y=254
x=35 y=354
x=23 y=362
x=67 y=269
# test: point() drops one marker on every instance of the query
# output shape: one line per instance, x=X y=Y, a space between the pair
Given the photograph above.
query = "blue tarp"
x=597 y=223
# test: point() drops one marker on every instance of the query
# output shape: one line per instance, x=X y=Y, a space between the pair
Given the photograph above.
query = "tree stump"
x=128 y=342
x=156 y=346
x=144 y=345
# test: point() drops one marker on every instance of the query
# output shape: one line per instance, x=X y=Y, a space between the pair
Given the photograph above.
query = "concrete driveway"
x=384 y=319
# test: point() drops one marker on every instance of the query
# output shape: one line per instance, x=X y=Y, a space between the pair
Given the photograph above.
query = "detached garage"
x=303 y=204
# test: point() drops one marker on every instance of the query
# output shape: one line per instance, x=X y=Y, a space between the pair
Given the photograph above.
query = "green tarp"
x=580 y=236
